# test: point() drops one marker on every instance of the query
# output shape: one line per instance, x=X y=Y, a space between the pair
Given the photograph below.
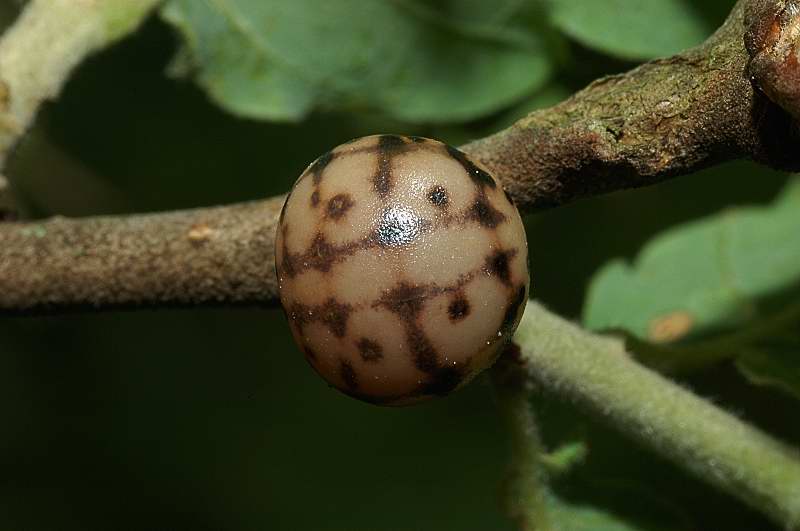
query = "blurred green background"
x=211 y=419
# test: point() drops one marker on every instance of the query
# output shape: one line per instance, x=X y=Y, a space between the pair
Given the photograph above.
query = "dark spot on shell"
x=478 y=176
x=458 y=309
x=369 y=350
x=438 y=196
x=338 y=206
x=318 y=166
x=425 y=356
x=497 y=264
x=418 y=139
x=399 y=227
x=443 y=381
x=405 y=300
x=512 y=310
x=315 y=198
x=335 y=315
x=348 y=374
x=485 y=214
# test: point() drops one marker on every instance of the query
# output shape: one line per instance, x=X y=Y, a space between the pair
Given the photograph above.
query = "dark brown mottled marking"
x=321 y=255
x=338 y=206
x=410 y=143
x=443 y=381
x=285 y=311
x=369 y=350
x=348 y=374
x=287 y=264
x=458 y=308
x=318 y=166
x=391 y=143
x=425 y=356
x=310 y=354
x=382 y=181
x=512 y=310
x=479 y=177
x=485 y=214
x=315 y=198
x=438 y=196
x=405 y=300
x=388 y=146
x=298 y=314
x=335 y=315
x=497 y=264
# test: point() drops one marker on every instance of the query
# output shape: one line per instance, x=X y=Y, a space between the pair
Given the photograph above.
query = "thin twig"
x=222 y=255
x=44 y=45
x=526 y=491
x=597 y=374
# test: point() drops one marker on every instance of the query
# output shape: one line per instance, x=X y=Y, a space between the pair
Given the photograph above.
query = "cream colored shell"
x=402 y=268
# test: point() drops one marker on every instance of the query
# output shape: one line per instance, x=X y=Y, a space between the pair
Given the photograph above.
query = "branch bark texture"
x=666 y=118
x=203 y=256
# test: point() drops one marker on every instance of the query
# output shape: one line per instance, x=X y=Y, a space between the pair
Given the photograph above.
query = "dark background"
x=211 y=419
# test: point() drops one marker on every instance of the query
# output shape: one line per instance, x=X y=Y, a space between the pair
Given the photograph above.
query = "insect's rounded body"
x=402 y=268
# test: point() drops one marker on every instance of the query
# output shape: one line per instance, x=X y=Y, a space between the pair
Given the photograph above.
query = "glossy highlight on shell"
x=402 y=268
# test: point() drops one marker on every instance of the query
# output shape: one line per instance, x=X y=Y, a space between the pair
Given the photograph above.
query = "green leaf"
x=774 y=365
x=413 y=60
x=631 y=29
x=704 y=278
x=723 y=287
